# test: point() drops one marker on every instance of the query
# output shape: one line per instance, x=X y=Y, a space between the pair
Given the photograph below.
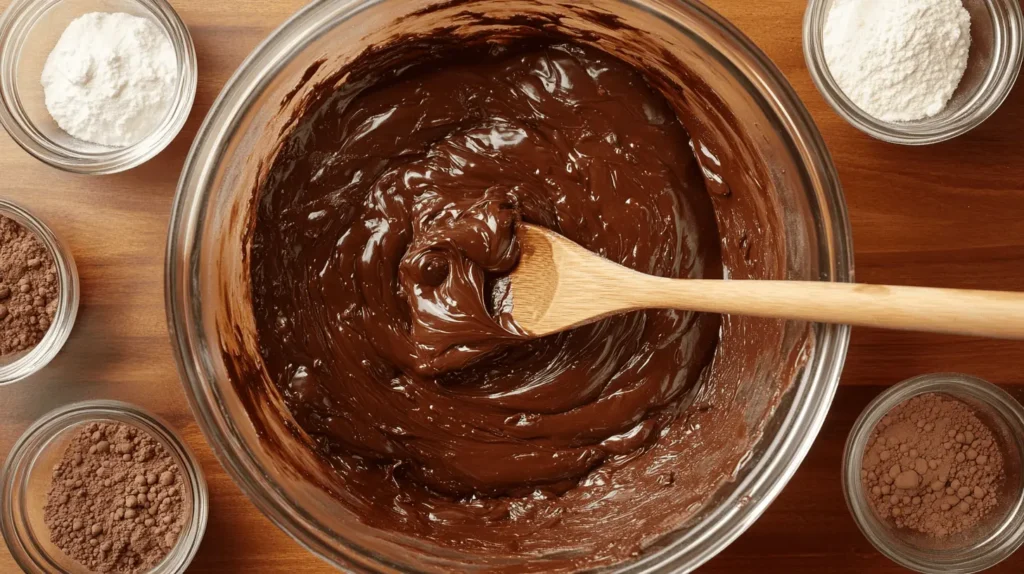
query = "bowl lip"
x=68 y=298
x=897 y=132
x=755 y=492
x=21 y=458
x=20 y=17
x=1007 y=537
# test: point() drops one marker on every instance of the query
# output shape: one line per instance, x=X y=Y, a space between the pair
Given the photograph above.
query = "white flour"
x=110 y=79
x=898 y=60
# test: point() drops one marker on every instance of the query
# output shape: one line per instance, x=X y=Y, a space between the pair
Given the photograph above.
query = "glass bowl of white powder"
x=913 y=72
x=95 y=86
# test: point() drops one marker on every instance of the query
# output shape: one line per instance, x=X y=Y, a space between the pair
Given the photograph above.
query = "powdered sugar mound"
x=898 y=60
x=110 y=79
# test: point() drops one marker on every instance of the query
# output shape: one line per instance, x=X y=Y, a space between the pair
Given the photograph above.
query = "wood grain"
x=949 y=215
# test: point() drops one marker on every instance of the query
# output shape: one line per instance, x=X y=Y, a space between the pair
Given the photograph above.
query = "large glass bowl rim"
x=812 y=395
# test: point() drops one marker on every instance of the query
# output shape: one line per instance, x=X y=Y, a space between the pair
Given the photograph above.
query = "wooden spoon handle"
x=958 y=311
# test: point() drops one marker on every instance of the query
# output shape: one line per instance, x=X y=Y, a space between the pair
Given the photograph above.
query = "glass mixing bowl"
x=790 y=173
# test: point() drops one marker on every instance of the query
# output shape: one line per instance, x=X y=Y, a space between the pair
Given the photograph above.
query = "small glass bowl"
x=17 y=366
x=29 y=30
x=26 y=477
x=992 y=68
x=999 y=534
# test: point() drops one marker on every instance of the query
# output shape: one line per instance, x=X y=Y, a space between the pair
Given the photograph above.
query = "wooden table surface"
x=950 y=215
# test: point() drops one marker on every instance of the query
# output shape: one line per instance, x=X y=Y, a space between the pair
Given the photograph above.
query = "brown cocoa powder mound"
x=932 y=466
x=28 y=288
x=116 y=503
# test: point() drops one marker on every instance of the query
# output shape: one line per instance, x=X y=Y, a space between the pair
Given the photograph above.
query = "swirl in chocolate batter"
x=387 y=221
x=383 y=230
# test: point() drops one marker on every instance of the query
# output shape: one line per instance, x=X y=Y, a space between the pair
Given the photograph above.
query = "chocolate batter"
x=383 y=230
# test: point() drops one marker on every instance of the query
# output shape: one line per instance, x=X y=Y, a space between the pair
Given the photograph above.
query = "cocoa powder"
x=117 y=501
x=933 y=466
x=28 y=288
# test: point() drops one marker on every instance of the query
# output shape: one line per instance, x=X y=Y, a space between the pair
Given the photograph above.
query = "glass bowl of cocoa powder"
x=933 y=473
x=38 y=293
x=101 y=486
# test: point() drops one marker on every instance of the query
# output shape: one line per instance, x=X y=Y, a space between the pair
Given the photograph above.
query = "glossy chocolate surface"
x=381 y=234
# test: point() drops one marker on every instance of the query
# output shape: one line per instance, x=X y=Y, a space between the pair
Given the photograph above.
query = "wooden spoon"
x=559 y=285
